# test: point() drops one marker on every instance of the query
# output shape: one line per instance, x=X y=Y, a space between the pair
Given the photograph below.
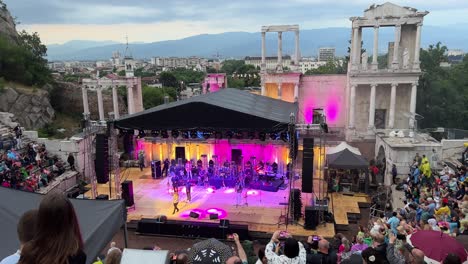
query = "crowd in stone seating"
x=28 y=167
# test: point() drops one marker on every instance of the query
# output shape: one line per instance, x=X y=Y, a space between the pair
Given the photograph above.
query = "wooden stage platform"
x=153 y=197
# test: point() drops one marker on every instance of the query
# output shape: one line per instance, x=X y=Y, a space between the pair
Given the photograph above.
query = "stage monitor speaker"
x=311 y=218
x=161 y=219
x=180 y=153
x=213 y=216
x=223 y=223
x=194 y=214
x=308 y=166
x=127 y=193
x=102 y=197
x=101 y=163
x=156 y=171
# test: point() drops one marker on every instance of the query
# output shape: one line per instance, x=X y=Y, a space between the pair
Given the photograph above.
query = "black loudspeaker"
x=101 y=163
x=296 y=202
x=102 y=197
x=127 y=193
x=156 y=171
x=236 y=156
x=213 y=216
x=308 y=166
x=311 y=218
x=161 y=219
x=224 y=223
x=194 y=214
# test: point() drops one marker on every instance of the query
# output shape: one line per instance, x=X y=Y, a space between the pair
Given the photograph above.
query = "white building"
x=271 y=62
x=306 y=65
x=326 y=54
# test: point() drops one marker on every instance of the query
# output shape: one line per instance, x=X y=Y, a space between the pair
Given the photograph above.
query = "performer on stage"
x=188 y=187
x=188 y=169
x=175 y=200
x=239 y=190
x=165 y=167
x=175 y=183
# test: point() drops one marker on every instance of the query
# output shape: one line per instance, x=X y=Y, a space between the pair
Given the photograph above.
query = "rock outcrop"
x=30 y=106
x=7 y=25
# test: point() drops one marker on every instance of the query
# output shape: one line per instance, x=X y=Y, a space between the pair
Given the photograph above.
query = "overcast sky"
x=58 y=21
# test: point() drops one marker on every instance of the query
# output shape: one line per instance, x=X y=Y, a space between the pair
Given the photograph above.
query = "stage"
x=153 y=197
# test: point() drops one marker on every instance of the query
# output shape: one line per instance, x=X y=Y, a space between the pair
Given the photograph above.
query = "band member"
x=274 y=167
x=239 y=190
x=175 y=183
x=226 y=164
x=211 y=163
x=188 y=190
x=175 y=201
x=188 y=169
x=199 y=164
x=165 y=167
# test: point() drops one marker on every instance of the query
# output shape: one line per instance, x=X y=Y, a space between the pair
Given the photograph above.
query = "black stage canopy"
x=223 y=110
x=346 y=159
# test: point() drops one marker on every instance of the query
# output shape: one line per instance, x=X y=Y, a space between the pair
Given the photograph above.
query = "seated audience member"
x=58 y=239
x=261 y=257
x=26 y=230
x=294 y=251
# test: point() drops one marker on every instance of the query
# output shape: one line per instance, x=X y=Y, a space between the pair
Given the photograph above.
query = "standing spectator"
x=434 y=159
x=58 y=239
x=18 y=135
x=394 y=222
x=372 y=256
x=242 y=258
x=261 y=257
x=141 y=160
x=26 y=230
x=394 y=173
x=360 y=245
x=324 y=255
x=165 y=167
x=294 y=251
x=71 y=161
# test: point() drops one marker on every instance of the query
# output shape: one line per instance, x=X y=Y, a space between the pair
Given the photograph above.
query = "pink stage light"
x=210 y=190
x=230 y=190
x=252 y=192
x=220 y=212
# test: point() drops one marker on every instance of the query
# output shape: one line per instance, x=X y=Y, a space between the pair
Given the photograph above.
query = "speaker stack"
x=311 y=217
x=308 y=166
x=101 y=163
x=295 y=197
x=127 y=193
x=156 y=171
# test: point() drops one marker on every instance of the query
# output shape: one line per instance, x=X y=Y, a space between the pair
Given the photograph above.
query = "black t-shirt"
x=79 y=258
x=321 y=258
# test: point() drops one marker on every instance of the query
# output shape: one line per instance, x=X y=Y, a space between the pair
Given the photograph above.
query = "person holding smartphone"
x=294 y=251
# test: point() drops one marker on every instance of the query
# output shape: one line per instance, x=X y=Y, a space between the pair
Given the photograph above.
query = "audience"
x=26 y=230
x=294 y=251
x=58 y=238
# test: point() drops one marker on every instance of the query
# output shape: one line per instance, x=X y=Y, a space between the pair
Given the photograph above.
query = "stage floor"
x=153 y=197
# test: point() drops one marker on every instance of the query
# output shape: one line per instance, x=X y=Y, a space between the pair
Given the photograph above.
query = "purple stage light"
x=230 y=190
x=210 y=190
x=252 y=192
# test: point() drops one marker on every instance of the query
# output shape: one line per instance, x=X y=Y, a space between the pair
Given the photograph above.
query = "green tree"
x=188 y=75
x=236 y=82
x=442 y=92
x=121 y=73
x=140 y=72
x=168 y=79
x=331 y=67
x=153 y=96
x=232 y=66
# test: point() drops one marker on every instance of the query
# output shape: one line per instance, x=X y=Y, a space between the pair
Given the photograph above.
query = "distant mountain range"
x=240 y=44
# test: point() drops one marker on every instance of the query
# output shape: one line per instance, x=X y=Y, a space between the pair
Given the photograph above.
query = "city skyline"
x=151 y=21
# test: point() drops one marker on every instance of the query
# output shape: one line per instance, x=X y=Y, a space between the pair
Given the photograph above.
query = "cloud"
x=205 y=16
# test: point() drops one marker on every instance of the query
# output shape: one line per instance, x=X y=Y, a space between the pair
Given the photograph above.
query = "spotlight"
x=273 y=136
x=164 y=134
x=262 y=136
x=154 y=133
x=193 y=134
x=185 y=134
x=218 y=135
x=251 y=135
x=206 y=135
x=284 y=136
x=174 y=133
x=229 y=134
x=141 y=134
x=239 y=135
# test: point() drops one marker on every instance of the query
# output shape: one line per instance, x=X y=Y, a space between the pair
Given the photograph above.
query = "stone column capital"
x=353 y=84
x=376 y=26
x=373 y=85
x=263 y=34
x=414 y=83
x=398 y=26
x=394 y=84
x=419 y=24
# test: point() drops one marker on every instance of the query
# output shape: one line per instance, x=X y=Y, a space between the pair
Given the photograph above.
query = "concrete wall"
x=453 y=148
x=323 y=91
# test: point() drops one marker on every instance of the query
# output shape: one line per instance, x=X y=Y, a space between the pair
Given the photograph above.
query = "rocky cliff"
x=30 y=106
x=7 y=24
x=68 y=99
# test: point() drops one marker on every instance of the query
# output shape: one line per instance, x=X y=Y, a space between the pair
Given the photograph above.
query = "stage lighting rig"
x=239 y=135
x=284 y=136
x=164 y=134
x=185 y=134
x=273 y=136
x=262 y=136
x=174 y=133
x=193 y=134
x=154 y=133
x=218 y=135
x=141 y=134
x=229 y=135
x=206 y=134
x=251 y=135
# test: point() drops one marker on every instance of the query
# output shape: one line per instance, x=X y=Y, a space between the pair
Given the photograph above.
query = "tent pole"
x=125 y=235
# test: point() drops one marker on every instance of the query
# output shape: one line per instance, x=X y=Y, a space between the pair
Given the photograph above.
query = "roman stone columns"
x=115 y=101
x=84 y=92
x=414 y=89
x=396 y=47
x=417 y=46
x=298 y=52
x=391 y=114
x=130 y=97
x=100 y=103
x=279 y=90
x=372 y=107
x=352 y=105
x=375 y=55
x=263 y=65
x=296 y=92
x=280 y=52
